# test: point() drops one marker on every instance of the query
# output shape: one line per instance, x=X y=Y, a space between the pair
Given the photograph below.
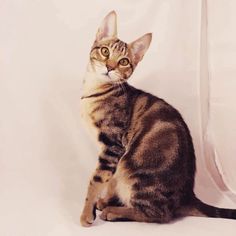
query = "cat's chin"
x=108 y=77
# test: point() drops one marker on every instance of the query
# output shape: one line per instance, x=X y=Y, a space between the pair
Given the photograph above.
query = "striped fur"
x=146 y=162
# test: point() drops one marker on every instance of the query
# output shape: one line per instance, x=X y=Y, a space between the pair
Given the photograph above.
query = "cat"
x=146 y=164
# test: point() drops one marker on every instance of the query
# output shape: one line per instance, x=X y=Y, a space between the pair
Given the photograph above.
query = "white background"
x=46 y=157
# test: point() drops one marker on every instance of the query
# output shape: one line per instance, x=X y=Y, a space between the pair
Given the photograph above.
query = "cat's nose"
x=109 y=68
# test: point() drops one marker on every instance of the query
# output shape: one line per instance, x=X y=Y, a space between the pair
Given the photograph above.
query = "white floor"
x=25 y=214
x=188 y=226
x=41 y=225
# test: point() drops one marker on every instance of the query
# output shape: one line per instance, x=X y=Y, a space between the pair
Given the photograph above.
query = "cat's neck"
x=94 y=82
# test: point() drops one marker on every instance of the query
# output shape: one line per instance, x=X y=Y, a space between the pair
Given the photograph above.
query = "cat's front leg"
x=106 y=168
x=97 y=184
x=112 y=151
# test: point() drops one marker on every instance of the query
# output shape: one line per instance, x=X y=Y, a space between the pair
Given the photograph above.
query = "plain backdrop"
x=46 y=157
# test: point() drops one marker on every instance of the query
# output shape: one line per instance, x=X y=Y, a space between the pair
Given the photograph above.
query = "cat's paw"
x=108 y=214
x=87 y=218
x=101 y=204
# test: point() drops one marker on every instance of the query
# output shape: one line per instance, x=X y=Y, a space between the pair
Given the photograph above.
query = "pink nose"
x=109 y=68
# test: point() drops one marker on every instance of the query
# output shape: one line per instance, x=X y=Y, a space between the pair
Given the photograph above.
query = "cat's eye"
x=124 y=62
x=105 y=51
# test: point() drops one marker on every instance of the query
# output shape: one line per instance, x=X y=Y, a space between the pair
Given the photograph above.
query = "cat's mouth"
x=107 y=74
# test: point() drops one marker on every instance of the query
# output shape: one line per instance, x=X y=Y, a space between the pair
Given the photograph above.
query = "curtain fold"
x=220 y=131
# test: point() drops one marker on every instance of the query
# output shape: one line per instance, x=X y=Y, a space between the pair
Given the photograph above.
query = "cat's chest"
x=90 y=115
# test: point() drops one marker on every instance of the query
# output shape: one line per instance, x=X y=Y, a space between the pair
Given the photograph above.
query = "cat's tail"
x=199 y=208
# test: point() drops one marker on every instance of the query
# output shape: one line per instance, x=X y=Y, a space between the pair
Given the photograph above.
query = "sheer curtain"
x=218 y=92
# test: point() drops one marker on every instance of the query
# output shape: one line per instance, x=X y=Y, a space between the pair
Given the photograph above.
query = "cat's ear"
x=108 y=28
x=140 y=46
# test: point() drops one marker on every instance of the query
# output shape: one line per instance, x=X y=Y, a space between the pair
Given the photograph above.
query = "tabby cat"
x=146 y=165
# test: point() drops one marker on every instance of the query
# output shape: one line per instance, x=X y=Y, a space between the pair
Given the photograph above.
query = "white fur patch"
x=123 y=186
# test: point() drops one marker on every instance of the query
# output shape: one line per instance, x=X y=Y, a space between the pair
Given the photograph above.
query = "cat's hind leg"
x=129 y=214
x=124 y=214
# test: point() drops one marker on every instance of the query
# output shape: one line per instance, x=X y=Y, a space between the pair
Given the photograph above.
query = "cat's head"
x=112 y=59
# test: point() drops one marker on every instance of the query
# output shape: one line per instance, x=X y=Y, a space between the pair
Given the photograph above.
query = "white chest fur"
x=85 y=111
x=92 y=82
x=123 y=185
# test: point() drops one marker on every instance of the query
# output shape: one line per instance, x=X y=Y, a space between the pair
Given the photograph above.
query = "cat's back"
x=153 y=121
x=150 y=108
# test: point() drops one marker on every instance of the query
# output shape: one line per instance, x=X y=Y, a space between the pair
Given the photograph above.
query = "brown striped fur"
x=146 y=163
